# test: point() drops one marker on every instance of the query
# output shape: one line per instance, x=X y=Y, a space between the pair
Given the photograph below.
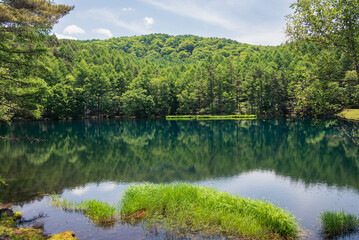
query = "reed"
x=101 y=213
x=338 y=223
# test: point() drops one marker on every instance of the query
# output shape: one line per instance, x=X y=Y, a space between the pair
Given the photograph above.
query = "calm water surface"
x=297 y=165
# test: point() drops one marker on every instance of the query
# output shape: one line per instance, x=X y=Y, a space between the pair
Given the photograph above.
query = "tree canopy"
x=315 y=74
x=327 y=22
x=24 y=25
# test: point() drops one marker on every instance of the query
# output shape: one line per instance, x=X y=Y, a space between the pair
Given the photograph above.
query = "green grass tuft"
x=338 y=223
x=101 y=213
x=196 y=209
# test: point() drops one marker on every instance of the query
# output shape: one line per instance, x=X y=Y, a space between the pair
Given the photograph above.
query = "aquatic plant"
x=101 y=213
x=188 y=208
x=338 y=223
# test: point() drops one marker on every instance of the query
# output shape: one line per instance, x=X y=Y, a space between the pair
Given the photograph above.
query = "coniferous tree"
x=23 y=27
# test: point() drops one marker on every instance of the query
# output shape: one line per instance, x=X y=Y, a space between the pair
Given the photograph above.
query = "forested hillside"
x=160 y=74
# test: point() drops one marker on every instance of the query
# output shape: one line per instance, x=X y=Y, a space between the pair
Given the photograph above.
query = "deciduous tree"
x=328 y=23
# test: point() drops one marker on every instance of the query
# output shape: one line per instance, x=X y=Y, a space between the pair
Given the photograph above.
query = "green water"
x=297 y=155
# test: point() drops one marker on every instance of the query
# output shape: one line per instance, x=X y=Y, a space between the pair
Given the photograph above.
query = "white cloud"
x=255 y=21
x=103 y=31
x=271 y=38
x=73 y=29
x=107 y=187
x=191 y=9
x=61 y=36
x=114 y=18
x=149 y=21
x=78 y=191
x=127 y=9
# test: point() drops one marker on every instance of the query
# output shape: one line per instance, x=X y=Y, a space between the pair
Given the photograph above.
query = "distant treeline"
x=158 y=75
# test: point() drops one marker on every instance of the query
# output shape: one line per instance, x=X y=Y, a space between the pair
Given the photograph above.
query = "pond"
x=300 y=166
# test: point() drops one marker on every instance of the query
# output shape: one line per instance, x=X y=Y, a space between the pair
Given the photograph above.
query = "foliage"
x=161 y=75
x=137 y=103
x=121 y=76
x=188 y=208
x=101 y=213
x=2 y=181
x=23 y=27
x=327 y=22
x=339 y=223
x=332 y=25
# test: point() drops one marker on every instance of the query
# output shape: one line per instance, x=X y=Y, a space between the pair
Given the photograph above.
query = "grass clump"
x=338 y=223
x=196 y=209
x=101 y=213
x=351 y=114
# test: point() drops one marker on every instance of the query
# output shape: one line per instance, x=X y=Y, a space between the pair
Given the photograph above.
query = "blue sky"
x=247 y=21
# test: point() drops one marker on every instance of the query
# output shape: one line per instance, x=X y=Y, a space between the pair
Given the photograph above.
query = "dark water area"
x=304 y=167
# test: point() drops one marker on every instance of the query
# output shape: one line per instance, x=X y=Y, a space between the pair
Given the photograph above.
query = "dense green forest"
x=315 y=74
x=160 y=74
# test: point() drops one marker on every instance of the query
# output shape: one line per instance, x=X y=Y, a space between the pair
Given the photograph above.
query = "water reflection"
x=305 y=201
x=80 y=152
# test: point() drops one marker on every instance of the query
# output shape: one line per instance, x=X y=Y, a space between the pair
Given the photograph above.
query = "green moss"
x=10 y=221
x=339 y=223
x=21 y=233
x=8 y=226
x=186 y=208
x=68 y=235
x=8 y=229
x=350 y=114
